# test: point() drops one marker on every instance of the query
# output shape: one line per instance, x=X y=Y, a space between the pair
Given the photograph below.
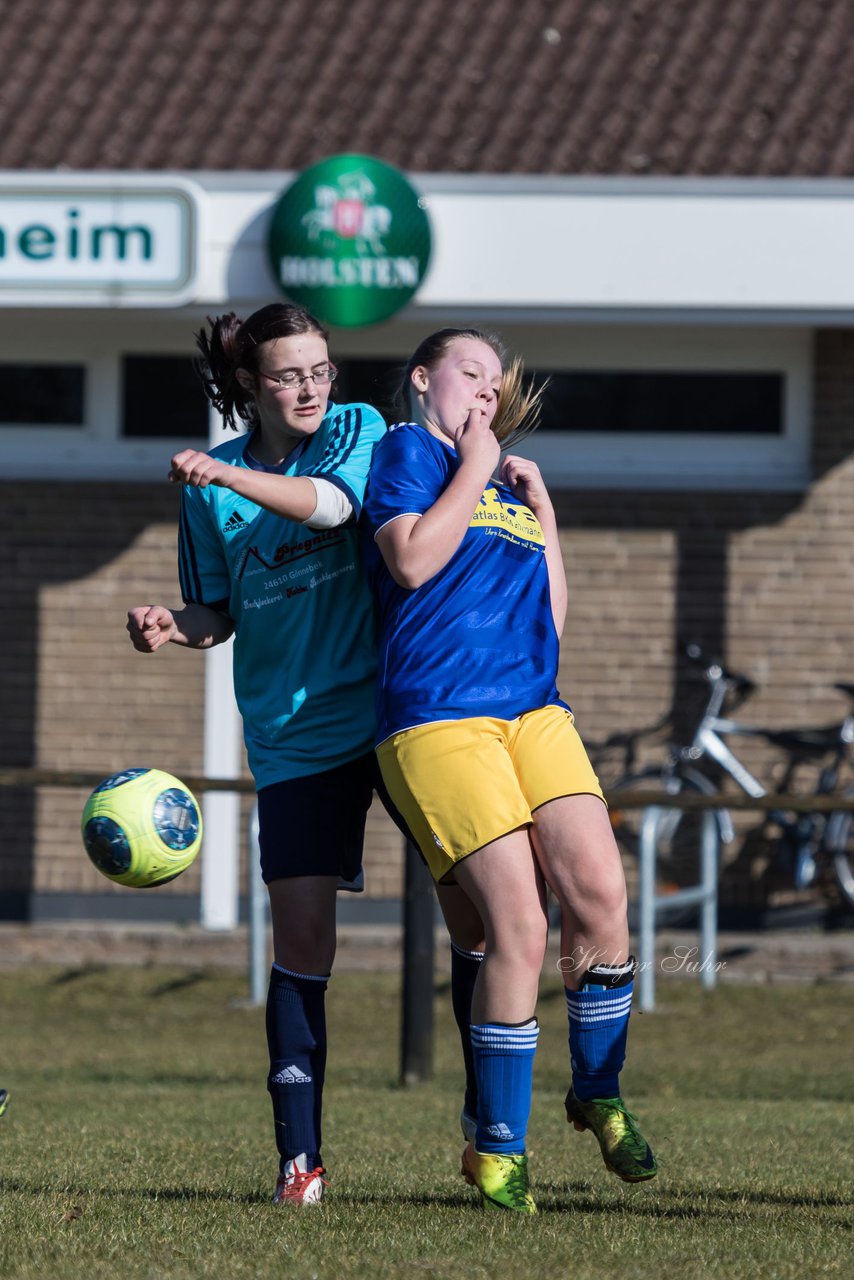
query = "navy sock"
x=296 y=1039
x=598 y=1029
x=465 y=966
x=504 y=1060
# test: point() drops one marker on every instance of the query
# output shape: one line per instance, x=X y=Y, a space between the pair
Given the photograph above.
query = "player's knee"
x=605 y=902
x=522 y=934
x=304 y=944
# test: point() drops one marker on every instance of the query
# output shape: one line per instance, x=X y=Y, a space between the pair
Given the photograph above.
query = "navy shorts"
x=315 y=826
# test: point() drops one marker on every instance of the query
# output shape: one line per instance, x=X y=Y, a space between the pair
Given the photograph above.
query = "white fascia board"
x=709 y=250
x=660 y=249
x=665 y=252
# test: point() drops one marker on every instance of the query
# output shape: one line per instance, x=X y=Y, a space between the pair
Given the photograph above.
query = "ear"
x=244 y=377
x=420 y=378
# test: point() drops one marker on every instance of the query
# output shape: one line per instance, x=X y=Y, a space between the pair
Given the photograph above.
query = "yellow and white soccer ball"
x=141 y=827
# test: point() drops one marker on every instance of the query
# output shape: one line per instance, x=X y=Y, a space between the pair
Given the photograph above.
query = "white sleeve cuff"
x=333 y=506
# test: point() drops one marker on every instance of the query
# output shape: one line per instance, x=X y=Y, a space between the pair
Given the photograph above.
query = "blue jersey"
x=478 y=639
x=305 y=645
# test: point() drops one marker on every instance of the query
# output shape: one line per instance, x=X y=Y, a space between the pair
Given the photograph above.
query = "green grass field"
x=138 y=1140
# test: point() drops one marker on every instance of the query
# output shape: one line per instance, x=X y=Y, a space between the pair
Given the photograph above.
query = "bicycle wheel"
x=678 y=837
x=840 y=845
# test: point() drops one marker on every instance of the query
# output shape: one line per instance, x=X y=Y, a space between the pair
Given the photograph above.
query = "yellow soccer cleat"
x=501 y=1180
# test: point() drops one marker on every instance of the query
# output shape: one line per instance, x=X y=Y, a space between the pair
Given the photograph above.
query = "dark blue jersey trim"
x=188 y=567
x=338 y=459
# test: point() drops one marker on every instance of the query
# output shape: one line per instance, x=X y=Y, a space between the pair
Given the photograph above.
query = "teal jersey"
x=304 y=642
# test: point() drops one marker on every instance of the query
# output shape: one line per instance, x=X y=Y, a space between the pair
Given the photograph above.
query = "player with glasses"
x=292 y=379
x=287 y=584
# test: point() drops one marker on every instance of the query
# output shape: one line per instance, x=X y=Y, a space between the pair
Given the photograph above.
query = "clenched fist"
x=198 y=469
x=150 y=626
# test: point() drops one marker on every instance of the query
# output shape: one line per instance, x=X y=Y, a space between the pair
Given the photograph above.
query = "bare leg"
x=580 y=862
x=303 y=917
x=501 y=881
x=461 y=917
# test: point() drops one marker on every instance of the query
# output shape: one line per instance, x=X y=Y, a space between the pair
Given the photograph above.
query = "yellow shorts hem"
x=461 y=784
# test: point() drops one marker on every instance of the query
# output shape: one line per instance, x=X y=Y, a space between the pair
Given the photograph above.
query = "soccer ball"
x=141 y=827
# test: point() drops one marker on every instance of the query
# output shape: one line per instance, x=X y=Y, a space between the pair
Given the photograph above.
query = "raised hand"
x=198 y=469
x=150 y=626
x=522 y=477
x=475 y=443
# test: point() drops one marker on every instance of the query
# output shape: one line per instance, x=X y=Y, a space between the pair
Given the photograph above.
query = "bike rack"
x=651 y=905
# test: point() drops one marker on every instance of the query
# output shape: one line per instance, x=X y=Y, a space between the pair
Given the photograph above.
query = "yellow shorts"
x=463 y=783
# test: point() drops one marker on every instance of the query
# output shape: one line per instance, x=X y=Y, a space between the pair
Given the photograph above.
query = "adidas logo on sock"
x=233 y=523
x=499 y=1131
x=291 y=1075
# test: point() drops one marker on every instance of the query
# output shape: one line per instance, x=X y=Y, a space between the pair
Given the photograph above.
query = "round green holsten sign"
x=350 y=240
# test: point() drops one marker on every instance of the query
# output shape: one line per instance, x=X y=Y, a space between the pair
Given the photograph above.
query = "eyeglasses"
x=290 y=379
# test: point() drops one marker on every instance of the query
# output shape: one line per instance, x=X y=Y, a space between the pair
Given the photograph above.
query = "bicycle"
x=813 y=848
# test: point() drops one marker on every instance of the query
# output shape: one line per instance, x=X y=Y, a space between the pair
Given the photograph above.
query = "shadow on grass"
x=569 y=1197
x=180 y=1194
x=790 y=1201
x=715 y=1200
x=578 y=1199
x=193 y=1193
x=76 y=975
x=190 y=979
x=178 y=984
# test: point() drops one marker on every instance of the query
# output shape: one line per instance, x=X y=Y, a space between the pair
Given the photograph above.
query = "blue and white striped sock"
x=504 y=1063
x=598 y=1029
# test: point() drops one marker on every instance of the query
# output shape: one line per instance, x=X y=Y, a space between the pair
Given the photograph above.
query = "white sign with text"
x=102 y=244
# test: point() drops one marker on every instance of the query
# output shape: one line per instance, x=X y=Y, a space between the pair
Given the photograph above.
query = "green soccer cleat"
x=625 y=1150
x=501 y=1180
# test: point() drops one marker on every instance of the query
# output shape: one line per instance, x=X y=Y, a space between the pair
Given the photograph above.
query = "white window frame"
x=669 y=460
x=94 y=450
x=677 y=460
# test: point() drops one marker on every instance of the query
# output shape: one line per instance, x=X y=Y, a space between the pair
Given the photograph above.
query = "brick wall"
x=763 y=579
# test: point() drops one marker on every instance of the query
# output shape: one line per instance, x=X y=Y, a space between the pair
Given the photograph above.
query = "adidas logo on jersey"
x=234 y=522
x=499 y=1131
x=291 y=1075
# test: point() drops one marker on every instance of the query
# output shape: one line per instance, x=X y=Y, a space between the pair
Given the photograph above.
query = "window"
x=637 y=401
x=369 y=382
x=664 y=407
x=162 y=396
x=41 y=395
